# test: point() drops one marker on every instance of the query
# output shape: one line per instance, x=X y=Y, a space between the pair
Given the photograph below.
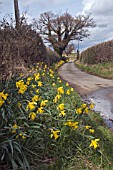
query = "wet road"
x=103 y=104
x=91 y=88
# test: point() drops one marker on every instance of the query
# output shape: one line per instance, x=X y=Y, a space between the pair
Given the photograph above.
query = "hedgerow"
x=98 y=54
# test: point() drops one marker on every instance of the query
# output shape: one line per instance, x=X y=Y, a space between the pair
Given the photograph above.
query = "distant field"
x=71 y=56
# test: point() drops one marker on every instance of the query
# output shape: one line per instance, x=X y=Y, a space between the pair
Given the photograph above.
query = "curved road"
x=91 y=88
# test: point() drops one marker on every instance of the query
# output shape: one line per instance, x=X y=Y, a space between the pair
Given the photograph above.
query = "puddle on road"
x=103 y=104
x=104 y=108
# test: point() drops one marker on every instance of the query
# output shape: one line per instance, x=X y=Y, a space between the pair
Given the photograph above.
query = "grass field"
x=104 y=70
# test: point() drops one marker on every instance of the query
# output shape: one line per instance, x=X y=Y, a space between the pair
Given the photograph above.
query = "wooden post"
x=16 y=13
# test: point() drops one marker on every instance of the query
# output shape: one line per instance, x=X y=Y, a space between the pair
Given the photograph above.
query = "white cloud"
x=102 y=7
x=87 y=4
x=101 y=11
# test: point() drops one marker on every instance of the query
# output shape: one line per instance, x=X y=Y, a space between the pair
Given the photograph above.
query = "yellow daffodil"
x=91 y=106
x=29 y=78
x=19 y=104
x=51 y=75
x=37 y=91
x=87 y=127
x=62 y=113
x=22 y=89
x=86 y=110
x=33 y=86
x=55 y=100
x=73 y=125
x=36 y=98
x=28 y=83
x=94 y=143
x=67 y=84
x=31 y=105
x=84 y=105
x=37 y=76
x=68 y=92
x=15 y=127
x=68 y=123
x=43 y=74
x=40 y=110
x=53 y=84
x=1 y=102
x=21 y=135
x=57 y=97
x=60 y=90
x=51 y=71
x=32 y=116
x=72 y=89
x=3 y=97
x=60 y=107
x=91 y=130
x=21 y=75
x=45 y=66
x=19 y=83
x=79 y=111
x=43 y=103
x=55 y=134
x=39 y=83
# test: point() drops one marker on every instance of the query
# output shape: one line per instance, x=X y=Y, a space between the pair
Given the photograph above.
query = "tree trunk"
x=16 y=13
x=60 y=52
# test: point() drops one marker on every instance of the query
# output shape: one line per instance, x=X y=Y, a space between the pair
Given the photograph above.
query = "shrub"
x=19 y=49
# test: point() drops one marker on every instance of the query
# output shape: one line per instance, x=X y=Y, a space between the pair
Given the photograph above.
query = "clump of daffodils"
x=48 y=108
x=73 y=125
x=21 y=86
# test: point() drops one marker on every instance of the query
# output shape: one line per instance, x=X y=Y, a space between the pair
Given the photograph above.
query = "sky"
x=100 y=10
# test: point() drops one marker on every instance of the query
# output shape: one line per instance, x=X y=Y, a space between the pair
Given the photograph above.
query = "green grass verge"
x=104 y=70
x=90 y=160
x=45 y=125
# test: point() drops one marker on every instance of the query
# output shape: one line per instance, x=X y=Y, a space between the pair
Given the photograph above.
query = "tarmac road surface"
x=91 y=88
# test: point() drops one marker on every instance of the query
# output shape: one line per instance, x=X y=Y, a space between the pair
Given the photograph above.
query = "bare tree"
x=16 y=13
x=59 y=30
